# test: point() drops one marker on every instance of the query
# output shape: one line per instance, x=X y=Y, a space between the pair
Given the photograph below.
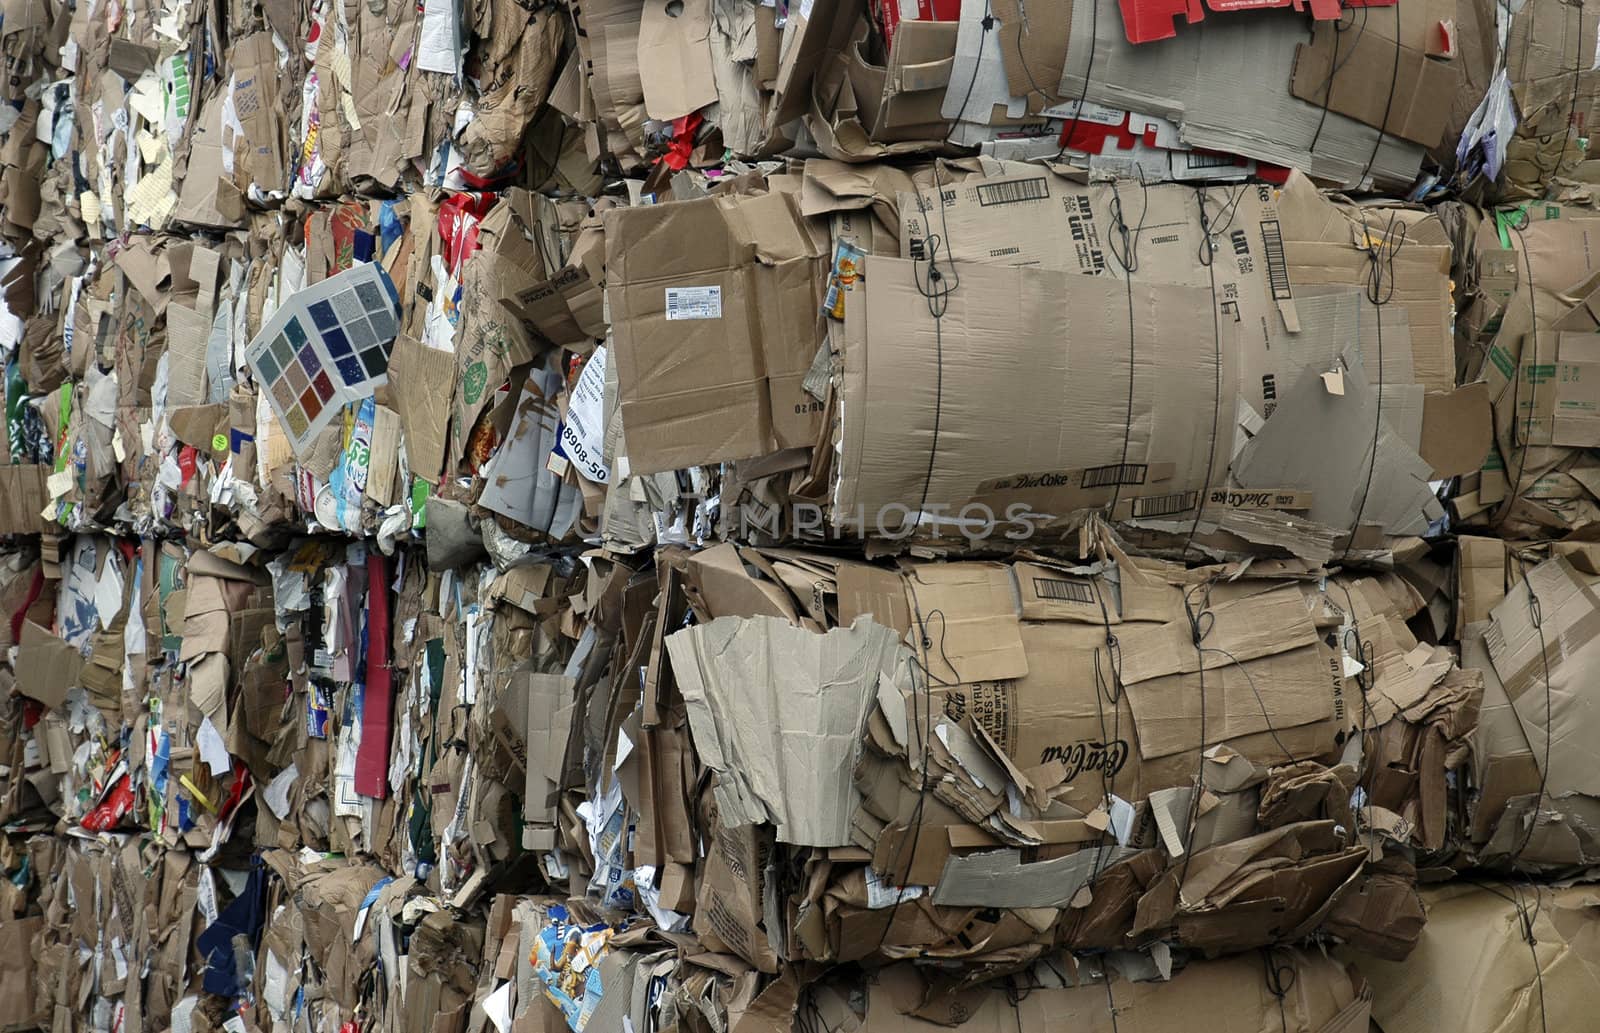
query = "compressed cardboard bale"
x=1493 y=956
x=1008 y=780
x=1533 y=807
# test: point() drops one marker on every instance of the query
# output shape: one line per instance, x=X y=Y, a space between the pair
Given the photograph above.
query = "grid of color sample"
x=326 y=346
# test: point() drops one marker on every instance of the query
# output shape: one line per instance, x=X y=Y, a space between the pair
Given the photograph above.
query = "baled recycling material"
x=755 y=516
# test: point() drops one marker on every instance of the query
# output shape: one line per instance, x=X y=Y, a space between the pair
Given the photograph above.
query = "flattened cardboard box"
x=1384 y=76
x=715 y=310
x=47 y=666
x=23 y=496
x=1224 y=82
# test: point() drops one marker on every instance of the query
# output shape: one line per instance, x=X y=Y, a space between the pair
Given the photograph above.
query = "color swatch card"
x=326 y=346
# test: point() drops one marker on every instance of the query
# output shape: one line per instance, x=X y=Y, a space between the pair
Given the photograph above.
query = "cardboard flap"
x=1457 y=430
x=717 y=580
x=1257 y=669
x=1390 y=85
x=1033 y=48
x=967 y=621
x=23 y=495
x=777 y=712
x=1244 y=629
x=1578 y=347
x=927 y=76
x=47 y=666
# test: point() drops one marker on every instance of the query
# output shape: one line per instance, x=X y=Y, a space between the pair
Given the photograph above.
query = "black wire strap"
x=1388 y=105
x=920 y=666
x=1365 y=679
x=1380 y=290
x=936 y=287
x=1088 y=73
x=1526 y=917
x=1529 y=917
x=1515 y=488
x=1127 y=256
x=1202 y=620
x=1280 y=978
x=1111 y=999
x=1572 y=104
x=1335 y=65
x=1207 y=258
x=1200 y=624
x=988 y=23
x=1106 y=690
x=1536 y=615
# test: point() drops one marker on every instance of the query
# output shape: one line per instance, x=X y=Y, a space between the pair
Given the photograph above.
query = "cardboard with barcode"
x=1263 y=254
x=1049 y=594
x=1066 y=490
x=716 y=318
x=1019 y=387
x=1055 y=593
x=1144 y=507
x=1015 y=413
x=1033 y=217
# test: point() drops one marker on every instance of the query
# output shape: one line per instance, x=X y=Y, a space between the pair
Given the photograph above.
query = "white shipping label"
x=881 y=893
x=694 y=302
x=205 y=897
x=583 y=433
x=1086 y=111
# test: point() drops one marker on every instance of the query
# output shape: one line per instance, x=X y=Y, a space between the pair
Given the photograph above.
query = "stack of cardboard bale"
x=757 y=516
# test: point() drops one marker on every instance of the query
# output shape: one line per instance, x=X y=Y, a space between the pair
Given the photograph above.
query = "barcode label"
x=1086 y=112
x=1277 y=266
x=694 y=302
x=1197 y=160
x=1164 y=505
x=1063 y=591
x=1106 y=476
x=1013 y=191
